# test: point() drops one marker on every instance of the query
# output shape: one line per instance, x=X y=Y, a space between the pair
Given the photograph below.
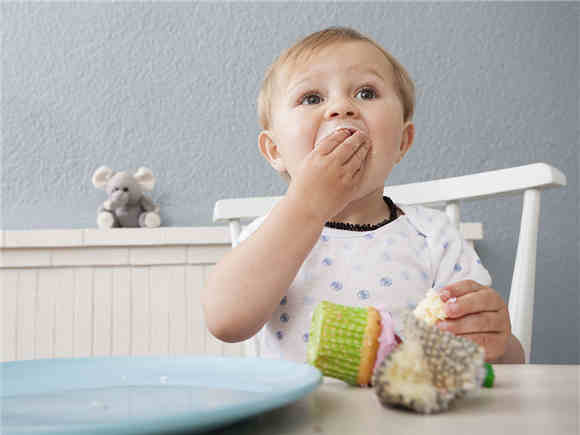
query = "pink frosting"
x=387 y=340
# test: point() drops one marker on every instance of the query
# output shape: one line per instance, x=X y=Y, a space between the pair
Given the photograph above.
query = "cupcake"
x=432 y=368
x=431 y=308
x=348 y=342
x=425 y=373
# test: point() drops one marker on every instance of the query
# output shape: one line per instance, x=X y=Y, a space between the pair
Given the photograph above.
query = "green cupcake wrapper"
x=336 y=339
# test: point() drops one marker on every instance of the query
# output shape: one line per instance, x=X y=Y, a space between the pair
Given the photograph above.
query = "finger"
x=475 y=323
x=358 y=159
x=459 y=288
x=470 y=303
x=493 y=343
x=346 y=150
x=356 y=171
x=327 y=144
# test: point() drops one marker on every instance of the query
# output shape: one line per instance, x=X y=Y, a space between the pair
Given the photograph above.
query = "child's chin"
x=367 y=193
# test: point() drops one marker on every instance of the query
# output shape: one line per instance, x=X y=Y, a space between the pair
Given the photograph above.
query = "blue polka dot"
x=369 y=236
x=363 y=294
x=284 y=301
x=324 y=238
x=280 y=335
x=337 y=285
x=305 y=337
x=445 y=245
x=386 y=282
x=284 y=317
x=391 y=241
x=424 y=275
x=478 y=261
x=457 y=268
x=327 y=261
x=385 y=256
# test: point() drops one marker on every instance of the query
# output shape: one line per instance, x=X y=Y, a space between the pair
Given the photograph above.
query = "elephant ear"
x=145 y=178
x=102 y=176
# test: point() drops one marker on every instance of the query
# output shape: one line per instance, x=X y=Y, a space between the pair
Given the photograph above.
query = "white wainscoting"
x=79 y=293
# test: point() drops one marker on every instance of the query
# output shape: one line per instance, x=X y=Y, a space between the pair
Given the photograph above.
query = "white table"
x=527 y=399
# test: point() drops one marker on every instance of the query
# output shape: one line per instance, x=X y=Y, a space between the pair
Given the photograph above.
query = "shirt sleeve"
x=452 y=258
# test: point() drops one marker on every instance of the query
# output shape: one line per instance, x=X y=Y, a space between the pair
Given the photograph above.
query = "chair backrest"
x=528 y=180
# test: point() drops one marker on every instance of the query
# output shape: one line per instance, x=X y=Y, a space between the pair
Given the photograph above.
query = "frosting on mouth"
x=327 y=129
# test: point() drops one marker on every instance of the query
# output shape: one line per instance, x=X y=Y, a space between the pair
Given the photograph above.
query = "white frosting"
x=431 y=308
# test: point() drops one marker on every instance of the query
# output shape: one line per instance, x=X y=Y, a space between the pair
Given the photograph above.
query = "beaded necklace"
x=367 y=227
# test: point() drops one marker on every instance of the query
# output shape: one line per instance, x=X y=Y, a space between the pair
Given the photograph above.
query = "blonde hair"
x=304 y=48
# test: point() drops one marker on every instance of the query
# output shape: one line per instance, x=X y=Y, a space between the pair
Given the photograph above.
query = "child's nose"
x=341 y=108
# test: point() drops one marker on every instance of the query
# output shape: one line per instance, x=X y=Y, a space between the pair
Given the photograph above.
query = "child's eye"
x=310 y=99
x=366 y=94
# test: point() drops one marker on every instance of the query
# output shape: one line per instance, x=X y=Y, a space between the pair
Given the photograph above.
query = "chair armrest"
x=478 y=186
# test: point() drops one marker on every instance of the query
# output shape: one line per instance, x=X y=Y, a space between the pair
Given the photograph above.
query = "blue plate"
x=145 y=395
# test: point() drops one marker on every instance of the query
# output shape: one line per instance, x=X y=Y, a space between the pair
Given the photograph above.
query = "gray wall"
x=172 y=86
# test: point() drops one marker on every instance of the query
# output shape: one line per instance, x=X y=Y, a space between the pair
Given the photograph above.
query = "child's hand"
x=479 y=314
x=329 y=177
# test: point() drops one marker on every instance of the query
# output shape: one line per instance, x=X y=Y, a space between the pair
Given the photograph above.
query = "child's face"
x=345 y=84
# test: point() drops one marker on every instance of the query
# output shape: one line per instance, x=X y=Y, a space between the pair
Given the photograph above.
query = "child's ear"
x=270 y=151
x=406 y=140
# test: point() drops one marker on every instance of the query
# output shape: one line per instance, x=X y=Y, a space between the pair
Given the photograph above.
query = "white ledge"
x=170 y=236
x=218 y=235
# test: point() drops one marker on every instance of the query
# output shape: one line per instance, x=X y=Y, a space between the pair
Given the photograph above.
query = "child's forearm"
x=248 y=283
x=514 y=353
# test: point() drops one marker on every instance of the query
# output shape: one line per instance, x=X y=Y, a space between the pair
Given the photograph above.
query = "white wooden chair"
x=448 y=193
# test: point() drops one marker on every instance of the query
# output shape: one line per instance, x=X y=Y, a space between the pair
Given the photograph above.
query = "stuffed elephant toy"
x=127 y=206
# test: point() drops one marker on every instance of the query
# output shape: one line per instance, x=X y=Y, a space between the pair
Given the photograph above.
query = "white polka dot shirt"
x=391 y=267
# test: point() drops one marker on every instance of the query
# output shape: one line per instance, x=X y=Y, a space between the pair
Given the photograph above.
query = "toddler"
x=336 y=111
